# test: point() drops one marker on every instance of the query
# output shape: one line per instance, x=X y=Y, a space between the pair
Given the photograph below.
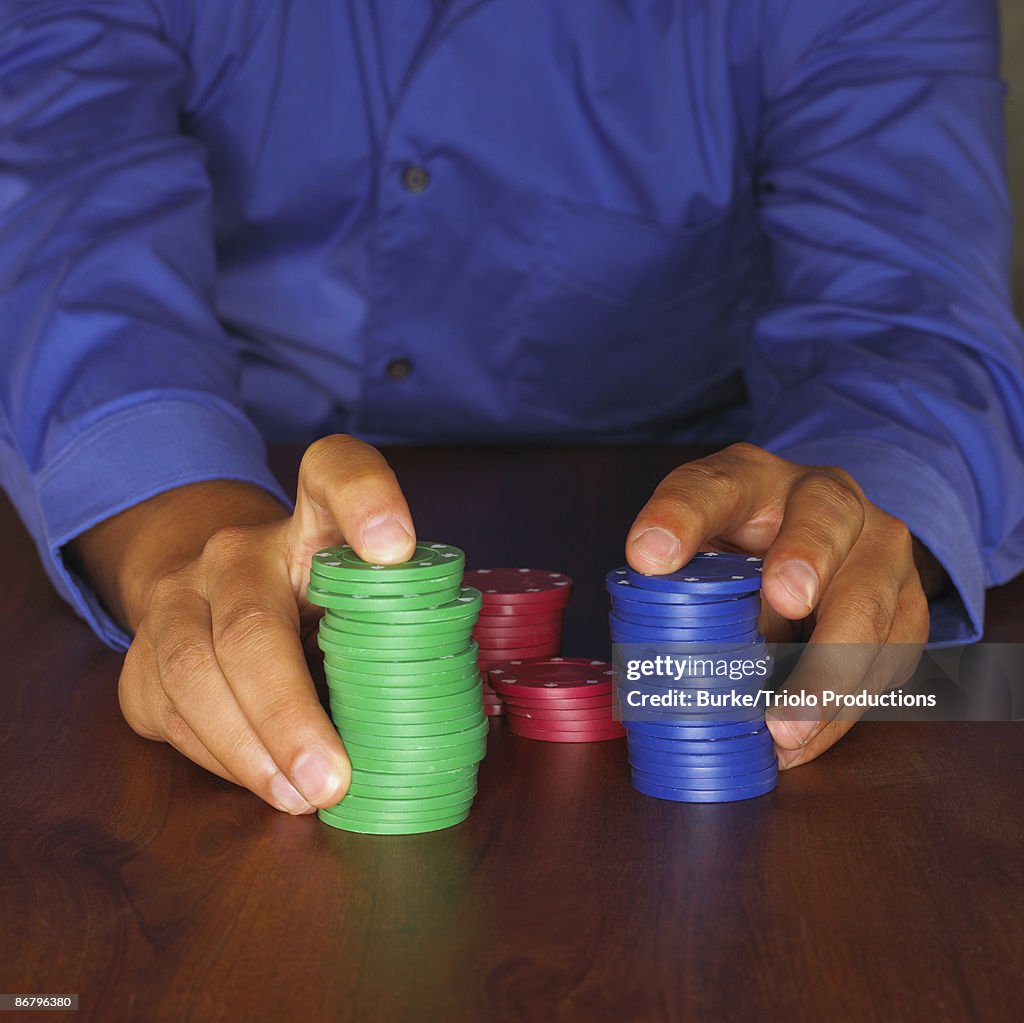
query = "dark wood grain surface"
x=883 y=882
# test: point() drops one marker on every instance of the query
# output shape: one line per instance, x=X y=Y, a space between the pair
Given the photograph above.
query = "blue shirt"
x=225 y=221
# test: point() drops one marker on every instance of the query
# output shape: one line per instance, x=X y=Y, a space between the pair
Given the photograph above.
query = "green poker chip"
x=351 y=627
x=414 y=778
x=367 y=790
x=427 y=768
x=385 y=587
x=382 y=828
x=392 y=654
x=407 y=697
x=434 y=665
x=399 y=759
x=466 y=605
x=403 y=686
x=345 y=811
x=410 y=748
x=352 y=727
x=469 y=705
x=429 y=561
x=397 y=643
x=372 y=605
x=416 y=804
x=451 y=704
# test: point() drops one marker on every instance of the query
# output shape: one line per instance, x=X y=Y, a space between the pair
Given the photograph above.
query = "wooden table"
x=883 y=882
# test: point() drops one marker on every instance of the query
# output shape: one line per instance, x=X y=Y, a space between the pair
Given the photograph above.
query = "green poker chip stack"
x=401 y=668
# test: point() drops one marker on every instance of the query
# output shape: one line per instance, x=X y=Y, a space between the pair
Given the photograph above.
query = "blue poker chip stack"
x=696 y=664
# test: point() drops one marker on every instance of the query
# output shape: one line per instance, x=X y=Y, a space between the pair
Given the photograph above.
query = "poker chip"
x=429 y=561
x=527 y=730
x=520 y=617
x=726 y=764
x=404 y=687
x=727 y=745
x=728 y=794
x=520 y=586
x=707 y=572
x=708 y=743
x=558 y=699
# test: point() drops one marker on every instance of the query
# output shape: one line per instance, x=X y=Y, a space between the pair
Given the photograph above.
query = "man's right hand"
x=211 y=579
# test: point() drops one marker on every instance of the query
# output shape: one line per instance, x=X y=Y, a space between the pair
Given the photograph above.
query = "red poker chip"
x=552 y=678
x=494 y=710
x=569 y=702
x=519 y=585
x=514 y=622
x=564 y=722
x=511 y=612
x=516 y=640
x=539 y=651
x=583 y=719
x=528 y=731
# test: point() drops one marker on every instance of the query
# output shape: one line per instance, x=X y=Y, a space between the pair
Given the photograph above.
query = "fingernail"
x=316 y=777
x=801 y=580
x=657 y=544
x=384 y=538
x=286 y=797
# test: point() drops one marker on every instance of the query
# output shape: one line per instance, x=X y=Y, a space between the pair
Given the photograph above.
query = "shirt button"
x=399 y=369
x=415 y=179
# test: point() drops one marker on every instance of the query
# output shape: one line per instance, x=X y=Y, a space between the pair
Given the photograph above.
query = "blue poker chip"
x=687 y=643
x=723 y=764
x=717 y=730
x=723 y=795
x=617 y=584
x=710 y=659
x=708 y=571
x=670 y=721
x=688 y=616
x=707 y=746
x=722 y=692
x=737 y=632
x=688 y=780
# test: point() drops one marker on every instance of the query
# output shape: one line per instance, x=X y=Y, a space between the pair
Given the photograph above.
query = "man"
x=497 y=219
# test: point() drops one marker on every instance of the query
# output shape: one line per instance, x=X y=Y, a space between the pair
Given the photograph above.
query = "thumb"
x=348 y=493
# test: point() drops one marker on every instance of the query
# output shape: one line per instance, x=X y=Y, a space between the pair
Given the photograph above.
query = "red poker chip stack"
x=562 y=699
x=521 y=618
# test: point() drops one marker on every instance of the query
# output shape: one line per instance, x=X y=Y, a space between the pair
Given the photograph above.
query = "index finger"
x=737 y=494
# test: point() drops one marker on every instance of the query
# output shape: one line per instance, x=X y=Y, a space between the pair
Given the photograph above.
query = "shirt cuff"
x=128 y=457
x=912 y=491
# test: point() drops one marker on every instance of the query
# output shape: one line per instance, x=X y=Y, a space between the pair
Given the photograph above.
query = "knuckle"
x=327 y=449
x=165 y=589
x=226 y=543
x=872 y=611
x=840 y=474
x=745 y=451
x=703 y=475
x=175 y=728
x=811 y=538
x=278 y=715
x=182 y=662
x=836 y=494
x=243 y=624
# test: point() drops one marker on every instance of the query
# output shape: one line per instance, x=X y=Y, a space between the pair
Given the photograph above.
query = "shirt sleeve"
x=119 y=382
x=889 y=346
